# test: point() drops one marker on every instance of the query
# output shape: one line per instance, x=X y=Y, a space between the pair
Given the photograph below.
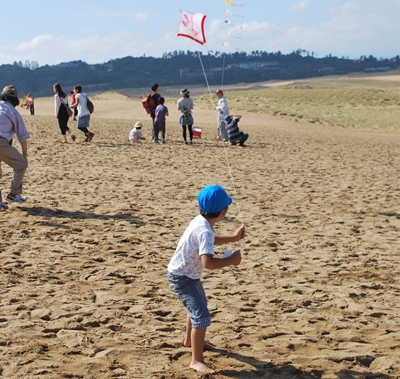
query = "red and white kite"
x=191 y=25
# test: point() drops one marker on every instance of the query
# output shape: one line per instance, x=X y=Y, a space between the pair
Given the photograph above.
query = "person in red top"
x=31 y=104
x=155 y=95
x=72 y=102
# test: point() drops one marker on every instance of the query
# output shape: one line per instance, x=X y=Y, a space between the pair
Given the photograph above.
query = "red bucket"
x=197 y=133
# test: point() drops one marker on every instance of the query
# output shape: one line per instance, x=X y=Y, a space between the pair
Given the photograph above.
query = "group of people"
x=159 y=113
x=228 y=129
x=80 y=109
x=195 y=250
x=11 y=124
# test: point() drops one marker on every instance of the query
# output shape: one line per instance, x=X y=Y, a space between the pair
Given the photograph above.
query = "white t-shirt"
x=82 y=107
x=222 y=108
x=135 y=134
x=198 y=239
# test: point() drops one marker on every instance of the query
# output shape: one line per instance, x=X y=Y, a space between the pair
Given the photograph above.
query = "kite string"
x=225 y=149
x=223 y=72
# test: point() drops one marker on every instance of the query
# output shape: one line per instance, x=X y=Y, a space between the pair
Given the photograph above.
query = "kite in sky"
x=228 y=22
x=191 y=25
x=233 y=25
x=228 y=12
x=229 y=35
x=235 y=5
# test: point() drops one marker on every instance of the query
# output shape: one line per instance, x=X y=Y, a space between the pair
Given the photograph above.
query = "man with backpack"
x=152 y=104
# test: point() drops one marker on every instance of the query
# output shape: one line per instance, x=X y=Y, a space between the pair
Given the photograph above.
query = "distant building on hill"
x=66 y=64
x=326 y=70
x=255 y=65
x=188 y=73
x=377 y=69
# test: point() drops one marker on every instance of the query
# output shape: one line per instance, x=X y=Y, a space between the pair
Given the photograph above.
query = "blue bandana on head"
x=213 y=199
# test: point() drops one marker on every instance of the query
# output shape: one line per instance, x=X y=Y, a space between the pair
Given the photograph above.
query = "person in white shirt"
x=83 y=113
x=195 y=252
x=223 y=110
x=136 y=133
x=11 y=123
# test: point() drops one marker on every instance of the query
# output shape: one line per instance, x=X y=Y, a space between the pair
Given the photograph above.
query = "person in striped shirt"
x=234 y=134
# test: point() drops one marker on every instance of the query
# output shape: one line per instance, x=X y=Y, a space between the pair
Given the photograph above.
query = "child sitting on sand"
x=195 y=252
x=136 y=133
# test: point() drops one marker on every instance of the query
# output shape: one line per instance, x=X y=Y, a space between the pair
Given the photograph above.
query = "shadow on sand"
x=60 y=213
x=263 y=369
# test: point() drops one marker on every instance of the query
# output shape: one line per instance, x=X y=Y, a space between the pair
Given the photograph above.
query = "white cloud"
x=6 y=58
x=142 y=17
x=108 y=14
x=35 y=43
x=350 y=28
x=301 y=5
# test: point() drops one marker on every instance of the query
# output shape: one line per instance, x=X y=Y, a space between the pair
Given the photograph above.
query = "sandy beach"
x=84 y=292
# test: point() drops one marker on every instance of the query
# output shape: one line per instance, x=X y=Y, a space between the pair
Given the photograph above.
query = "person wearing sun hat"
x=185 y=106
x=11 y=123
x=136 y=133
x=194 y=253
x=222 y=109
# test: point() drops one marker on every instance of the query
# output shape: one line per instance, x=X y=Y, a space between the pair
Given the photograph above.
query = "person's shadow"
x=352 y=374
x=263 y=369
x=390 y=214
x=126 y=214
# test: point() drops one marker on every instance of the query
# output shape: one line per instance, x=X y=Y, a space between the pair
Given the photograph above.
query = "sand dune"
x=83 y=277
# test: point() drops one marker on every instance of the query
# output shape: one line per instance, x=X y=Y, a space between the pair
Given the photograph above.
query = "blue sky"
x=51 y=31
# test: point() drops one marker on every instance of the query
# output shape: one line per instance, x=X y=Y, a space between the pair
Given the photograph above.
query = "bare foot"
x=202 y=367
x=206 y=343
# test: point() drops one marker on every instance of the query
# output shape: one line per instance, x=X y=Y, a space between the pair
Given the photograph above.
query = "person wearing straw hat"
x=185 y=105
x=194 y=253
x=136 y=133
x=11 y=123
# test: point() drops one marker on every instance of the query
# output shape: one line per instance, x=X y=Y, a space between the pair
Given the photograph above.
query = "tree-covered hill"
x=181 y=68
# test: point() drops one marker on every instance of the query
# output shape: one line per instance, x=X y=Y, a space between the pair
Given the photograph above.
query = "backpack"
x=89 y=105
x=149 y=104
x=186 y=113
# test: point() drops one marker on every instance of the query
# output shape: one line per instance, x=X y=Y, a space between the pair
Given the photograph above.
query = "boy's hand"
x=240 y=233
x=236 y=258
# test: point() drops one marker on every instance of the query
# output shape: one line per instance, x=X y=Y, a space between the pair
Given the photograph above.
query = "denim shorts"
x=191 y=294
x=83 y=121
